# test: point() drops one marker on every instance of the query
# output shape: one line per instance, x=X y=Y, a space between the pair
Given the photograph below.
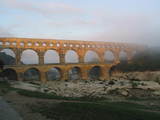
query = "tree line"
x=143 y=61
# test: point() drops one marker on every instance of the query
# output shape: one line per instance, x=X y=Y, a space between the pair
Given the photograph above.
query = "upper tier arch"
x=62 y=46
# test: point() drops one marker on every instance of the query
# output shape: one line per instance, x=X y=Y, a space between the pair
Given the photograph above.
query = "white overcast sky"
x=99 y=20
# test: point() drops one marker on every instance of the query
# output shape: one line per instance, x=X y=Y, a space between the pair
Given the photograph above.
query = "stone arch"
x=54 y=74
x=29 y=56
x=109 y=56
x=74 y=73
x=1 y=64
x=91 y=57
x=10 y=74
x=112 y=70
x=8 y=56
x=134 y=53
x=51 y=56
x=32 y=74
x=95 y=73
x=71 y=56
x=123 y=56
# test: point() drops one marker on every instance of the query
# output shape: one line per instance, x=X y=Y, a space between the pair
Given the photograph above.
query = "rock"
x=157 y=93
x=121 y=84
x=124 y=93
x=26 y=86
x=45 y=90
x=52 y=91
x=152 y=85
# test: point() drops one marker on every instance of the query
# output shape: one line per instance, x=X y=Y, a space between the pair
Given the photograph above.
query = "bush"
x=111 y=82
x=143 y=61
x=134 y=84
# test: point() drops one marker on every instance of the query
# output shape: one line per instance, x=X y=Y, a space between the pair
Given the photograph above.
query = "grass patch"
x=134 y=98
x=94 y=111
x=54 y=96
x=4 y=85
x=4 y=88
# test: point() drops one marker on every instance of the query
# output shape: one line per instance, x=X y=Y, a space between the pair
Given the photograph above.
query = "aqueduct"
x=40 y=46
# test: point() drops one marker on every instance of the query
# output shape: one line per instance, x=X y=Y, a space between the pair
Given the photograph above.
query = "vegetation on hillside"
x=7 y=59
x=144 y=61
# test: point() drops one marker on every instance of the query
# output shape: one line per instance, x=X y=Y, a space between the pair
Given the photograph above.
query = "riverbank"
x=126 y=96
x=135 y=84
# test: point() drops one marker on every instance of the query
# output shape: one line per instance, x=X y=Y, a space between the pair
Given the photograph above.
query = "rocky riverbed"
x=135 y=84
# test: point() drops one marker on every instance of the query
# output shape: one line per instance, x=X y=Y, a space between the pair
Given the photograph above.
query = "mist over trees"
x=144 y=61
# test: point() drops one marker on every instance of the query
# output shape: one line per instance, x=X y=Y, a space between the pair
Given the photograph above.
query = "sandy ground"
x=22 y=104
x=7 y=112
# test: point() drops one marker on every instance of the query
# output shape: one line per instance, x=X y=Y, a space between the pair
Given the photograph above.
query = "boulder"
x=25 y=86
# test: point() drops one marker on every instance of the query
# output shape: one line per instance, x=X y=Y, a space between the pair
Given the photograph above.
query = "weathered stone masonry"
x=18 y=45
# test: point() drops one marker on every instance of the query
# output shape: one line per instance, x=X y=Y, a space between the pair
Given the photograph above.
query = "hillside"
x=144 y=61
x=7 y=59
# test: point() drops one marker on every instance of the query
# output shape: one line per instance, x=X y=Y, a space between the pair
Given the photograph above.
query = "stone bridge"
x=40 y=46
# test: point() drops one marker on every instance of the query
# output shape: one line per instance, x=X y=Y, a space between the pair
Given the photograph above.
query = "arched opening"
x=95 y=73
x=134 y=53
x=109 y=57
x=32 y=74
x=71 y=57
x=91 y=57
x=10 y=74
x=123 y=56
x=53 y=74
x=75 y=73
x=1 y=65
x=29 y=57
x=51 y=56
x=1 y=68
x=112 y=70
x=8 y=56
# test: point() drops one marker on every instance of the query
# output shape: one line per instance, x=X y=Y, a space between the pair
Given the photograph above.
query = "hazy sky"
x=101 y=20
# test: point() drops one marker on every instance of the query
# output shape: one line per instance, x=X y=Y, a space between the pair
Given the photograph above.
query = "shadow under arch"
x=10 y=74
x=32 y=74
x=112 y=70
x=1 y=64
x=75 y=73
x=95 y=73
x=54 y=74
